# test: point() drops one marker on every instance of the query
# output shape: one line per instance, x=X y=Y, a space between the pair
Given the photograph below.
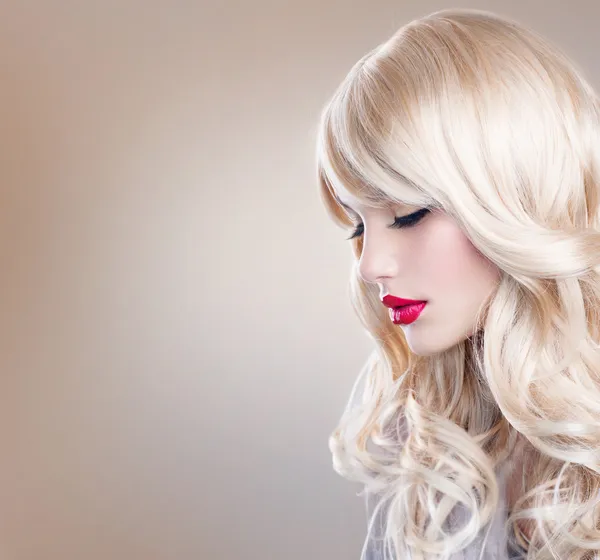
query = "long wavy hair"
x=479 y=116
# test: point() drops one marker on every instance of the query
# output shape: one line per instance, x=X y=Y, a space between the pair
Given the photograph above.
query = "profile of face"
x=424 y=256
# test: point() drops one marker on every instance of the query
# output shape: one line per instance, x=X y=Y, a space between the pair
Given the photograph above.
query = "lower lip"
x=407 y=314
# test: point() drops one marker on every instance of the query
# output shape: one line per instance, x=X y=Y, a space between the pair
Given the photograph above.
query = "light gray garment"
x=498 y=545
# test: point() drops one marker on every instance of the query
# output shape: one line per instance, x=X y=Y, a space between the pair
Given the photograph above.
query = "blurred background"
x=176 y=340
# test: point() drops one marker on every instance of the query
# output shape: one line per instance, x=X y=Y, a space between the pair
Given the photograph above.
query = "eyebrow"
x=343 y=205
x=376 y=202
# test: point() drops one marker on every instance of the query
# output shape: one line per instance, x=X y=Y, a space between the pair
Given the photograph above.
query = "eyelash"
x=399 y=223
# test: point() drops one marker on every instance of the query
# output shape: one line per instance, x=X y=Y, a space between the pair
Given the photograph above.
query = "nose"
x=379 y=260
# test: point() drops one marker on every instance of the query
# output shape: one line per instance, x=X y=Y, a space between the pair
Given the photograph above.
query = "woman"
x=463 y=154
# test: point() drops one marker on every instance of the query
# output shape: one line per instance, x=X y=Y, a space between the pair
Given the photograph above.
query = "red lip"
x=393 y=301
x=403 y=311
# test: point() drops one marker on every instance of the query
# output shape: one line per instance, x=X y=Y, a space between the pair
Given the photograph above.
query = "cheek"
x=452 y=263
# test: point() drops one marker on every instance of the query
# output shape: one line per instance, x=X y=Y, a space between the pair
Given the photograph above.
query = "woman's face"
x=429 y=260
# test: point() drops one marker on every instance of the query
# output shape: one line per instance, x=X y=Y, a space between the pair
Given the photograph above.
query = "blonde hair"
x=479 y=116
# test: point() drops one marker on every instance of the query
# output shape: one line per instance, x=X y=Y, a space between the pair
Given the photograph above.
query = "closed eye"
x=399 y=222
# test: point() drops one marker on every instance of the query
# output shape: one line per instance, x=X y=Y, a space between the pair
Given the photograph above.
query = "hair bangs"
x=353 y=146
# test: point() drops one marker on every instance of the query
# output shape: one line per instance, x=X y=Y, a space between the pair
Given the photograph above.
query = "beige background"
x=176 y=341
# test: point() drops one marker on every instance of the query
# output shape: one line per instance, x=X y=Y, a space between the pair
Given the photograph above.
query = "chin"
x=425 y=350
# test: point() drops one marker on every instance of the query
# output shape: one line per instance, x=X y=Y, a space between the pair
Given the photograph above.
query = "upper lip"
x=393 y=301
